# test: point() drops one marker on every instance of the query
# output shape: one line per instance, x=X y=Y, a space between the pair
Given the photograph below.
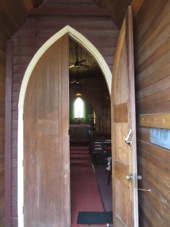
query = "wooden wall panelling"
x=153 y=108
x=153 y=163
x=2 y=139
x=154 y=102
x=8 y=138
x=155 y=152
x=149 y=16
x=4 y=33
x=155 y=177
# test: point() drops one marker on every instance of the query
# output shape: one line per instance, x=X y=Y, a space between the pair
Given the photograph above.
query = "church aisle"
x=85 y=194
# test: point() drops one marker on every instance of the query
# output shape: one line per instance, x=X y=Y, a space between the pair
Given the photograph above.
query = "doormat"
x=93 y=218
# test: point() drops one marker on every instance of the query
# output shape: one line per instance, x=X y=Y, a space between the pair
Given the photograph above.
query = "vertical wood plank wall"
x=99 y=30
x=152 y=60
x=14 y=13
x=2 y=136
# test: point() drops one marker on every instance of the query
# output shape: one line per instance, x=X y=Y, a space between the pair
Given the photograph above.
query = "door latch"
x=128 y=138
x=130 y=177
x=138 y=177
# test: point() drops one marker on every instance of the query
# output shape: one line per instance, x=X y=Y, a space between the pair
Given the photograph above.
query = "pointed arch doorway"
x=43 y=142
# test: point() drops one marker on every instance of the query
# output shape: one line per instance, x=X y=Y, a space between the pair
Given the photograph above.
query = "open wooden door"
x=125 y=187
x=46 y=140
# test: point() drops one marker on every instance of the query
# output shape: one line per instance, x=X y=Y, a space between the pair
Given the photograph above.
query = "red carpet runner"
x=85 y=195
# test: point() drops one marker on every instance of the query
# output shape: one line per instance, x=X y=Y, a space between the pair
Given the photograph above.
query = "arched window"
x=78 y=108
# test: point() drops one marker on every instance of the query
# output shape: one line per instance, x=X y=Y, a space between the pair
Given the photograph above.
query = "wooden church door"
x=125 y=187
x=46 y=140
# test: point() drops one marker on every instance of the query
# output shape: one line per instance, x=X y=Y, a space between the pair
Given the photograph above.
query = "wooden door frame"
x=106 y=73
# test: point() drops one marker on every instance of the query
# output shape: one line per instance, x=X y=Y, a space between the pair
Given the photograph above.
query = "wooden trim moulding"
x=160 y=120
x=8 y=132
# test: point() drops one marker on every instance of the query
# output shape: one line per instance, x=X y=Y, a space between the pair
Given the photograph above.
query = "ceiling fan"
x=77 y=81
x=78 y=63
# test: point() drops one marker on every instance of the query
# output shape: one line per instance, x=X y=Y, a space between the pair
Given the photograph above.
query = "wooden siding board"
x=151 y=163
x=14 y=143
x=15 y=114
x=144 y=220
x=156 y=55
x=26 y=42
x=147 y=80
x=159 y=196
x=152 y=54
x=155 y=107
x=149 y=17
x=15 y=106
x=154 y=88
x=14 y=124
x=23 y=51
x=8 y=130
x=159 y=36
x=17 y=78
x=153 y=181
x=15 y=134
x=15 y=96
x=17 y=60
x=14 y=153
x=155 y=151
x=19 y=68
x=155 y=66
x=150 y=214
x=153 y=103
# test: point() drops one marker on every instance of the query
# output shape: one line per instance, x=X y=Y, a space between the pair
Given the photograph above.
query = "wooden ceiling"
x=86 y=76
x=13 y=15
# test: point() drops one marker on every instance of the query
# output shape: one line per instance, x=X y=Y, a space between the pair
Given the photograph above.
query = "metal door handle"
x=129 y=177
x=139 y=177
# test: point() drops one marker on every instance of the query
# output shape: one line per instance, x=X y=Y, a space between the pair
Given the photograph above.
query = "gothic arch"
x=106 y=73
